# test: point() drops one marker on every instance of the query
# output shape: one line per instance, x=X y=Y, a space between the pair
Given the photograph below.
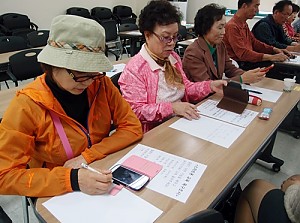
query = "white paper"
x=209 y=129
x=209 y=108
x=125 y=207
x=178 y=176
x=267 y=94
x=295 y=61
x=117 y=68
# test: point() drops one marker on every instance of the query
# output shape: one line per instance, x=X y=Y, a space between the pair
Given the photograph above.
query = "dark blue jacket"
x=267 y=31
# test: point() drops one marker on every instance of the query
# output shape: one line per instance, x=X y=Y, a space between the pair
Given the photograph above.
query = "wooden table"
x=186 y=43
x=224 y=166
x=4 y=57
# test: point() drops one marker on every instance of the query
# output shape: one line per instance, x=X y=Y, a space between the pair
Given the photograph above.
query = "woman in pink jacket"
x=153 y=81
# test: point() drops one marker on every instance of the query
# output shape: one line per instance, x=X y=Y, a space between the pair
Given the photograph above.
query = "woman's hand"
x=253 y=76
x=94 y=183
x=290 y=181
x=75 y=162
x=185 y=109
x=217 y=86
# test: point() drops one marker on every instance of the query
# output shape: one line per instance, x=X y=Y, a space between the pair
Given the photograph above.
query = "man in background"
x=269 y=29
x=241 y=44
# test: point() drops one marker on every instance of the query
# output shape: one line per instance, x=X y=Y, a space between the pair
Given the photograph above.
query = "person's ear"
x=147 y=34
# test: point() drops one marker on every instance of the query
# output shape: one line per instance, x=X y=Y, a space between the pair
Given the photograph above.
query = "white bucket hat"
x=76 y=43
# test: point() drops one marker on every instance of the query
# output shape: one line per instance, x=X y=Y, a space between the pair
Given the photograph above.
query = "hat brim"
x=75 y=59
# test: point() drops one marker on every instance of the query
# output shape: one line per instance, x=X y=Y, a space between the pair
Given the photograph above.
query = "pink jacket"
x=139 y=84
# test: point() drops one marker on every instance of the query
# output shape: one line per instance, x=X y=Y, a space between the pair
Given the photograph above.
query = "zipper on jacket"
x=87 y=131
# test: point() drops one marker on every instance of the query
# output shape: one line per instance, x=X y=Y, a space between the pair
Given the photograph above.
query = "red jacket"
x=28 y=136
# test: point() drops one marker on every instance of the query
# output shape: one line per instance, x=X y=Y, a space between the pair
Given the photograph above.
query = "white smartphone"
x=128 y=177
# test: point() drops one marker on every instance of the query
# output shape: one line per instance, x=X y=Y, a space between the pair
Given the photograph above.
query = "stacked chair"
x=38 y=38
x=14 y=24
x=124 y=14
x=83 y=12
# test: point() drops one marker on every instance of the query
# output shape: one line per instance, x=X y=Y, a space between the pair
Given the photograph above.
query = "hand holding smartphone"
x=128 y=177
x=266 y=69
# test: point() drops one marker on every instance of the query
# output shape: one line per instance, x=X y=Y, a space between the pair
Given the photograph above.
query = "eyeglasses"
x=85 y=77
x=168 y=39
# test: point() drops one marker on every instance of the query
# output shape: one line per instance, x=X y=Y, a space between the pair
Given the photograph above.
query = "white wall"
x=195 y=5
x=41 y=12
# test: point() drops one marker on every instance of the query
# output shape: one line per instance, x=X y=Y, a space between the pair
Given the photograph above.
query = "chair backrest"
x=115 y=80
x=24 y=65
x=14 y=21
x=128 y=27
x=101 y=13
x=205 y=216
x=12 y=43
x=182 y=31
x=124 y=14
x=38 y=38
x=111 y=32
x=83 y=12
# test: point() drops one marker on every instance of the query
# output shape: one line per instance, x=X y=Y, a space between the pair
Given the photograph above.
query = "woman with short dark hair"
x=153 y=81
x=207 y=58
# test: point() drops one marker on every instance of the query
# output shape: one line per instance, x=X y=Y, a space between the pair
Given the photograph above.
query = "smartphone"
x=266 y=69
x=128 y=177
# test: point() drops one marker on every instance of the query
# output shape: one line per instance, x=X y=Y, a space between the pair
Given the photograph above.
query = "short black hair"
x=296 y=8
x=241 y=2
x=279 y=6
x=206 y=17
x=159 y=12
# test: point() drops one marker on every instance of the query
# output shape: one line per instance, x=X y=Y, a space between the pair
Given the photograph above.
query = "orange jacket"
x=28 y=136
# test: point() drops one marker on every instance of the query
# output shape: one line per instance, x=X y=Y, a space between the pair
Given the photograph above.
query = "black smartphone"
x=128 y=177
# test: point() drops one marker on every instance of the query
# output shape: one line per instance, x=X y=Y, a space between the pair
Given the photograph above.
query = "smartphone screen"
x=128 y=177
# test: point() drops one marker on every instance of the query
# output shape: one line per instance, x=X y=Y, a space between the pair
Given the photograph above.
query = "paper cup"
x=288 y=84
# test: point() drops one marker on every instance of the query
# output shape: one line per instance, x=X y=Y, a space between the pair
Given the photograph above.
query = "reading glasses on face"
x=168 y=39
x=85 y=77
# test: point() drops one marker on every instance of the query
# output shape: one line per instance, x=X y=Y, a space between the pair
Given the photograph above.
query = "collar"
x=239 y=22
x=212 y=49
x=153 y=65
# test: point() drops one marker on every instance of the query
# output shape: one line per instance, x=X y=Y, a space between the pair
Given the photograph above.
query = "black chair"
x=83 y=12
x=16 y=24
x=205 y=216
x=124 y=14
x=115 y=80
x=127 y=27
x=38 y=38
x=8 y=44
x=113 y=43
x=102 y=13
x=184 y=35
x=24 y=65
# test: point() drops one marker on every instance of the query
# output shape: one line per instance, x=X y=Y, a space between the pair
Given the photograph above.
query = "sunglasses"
x=85 y=77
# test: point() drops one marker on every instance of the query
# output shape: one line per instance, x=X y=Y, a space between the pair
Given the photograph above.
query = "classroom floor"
x=286 y=147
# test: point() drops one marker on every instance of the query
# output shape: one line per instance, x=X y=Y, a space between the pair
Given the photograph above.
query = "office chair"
x=16 y=24
x=83 y=12
x=102 y=13
x=24 y=65
x=184 y=35
x=112 y=39
x=8 y=44
x=205 y=216
x=38 y=38
x=127 y=27
x=124 y=14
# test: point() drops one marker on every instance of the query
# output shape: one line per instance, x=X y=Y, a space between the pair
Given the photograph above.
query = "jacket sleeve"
x=135 y=90
x=236 y=41
x=263 y=33
x=194 y=65
x=128 y=127
x=17 y=143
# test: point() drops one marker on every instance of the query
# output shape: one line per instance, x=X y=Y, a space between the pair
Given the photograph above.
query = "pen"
x=85 y=166
x=256 y=92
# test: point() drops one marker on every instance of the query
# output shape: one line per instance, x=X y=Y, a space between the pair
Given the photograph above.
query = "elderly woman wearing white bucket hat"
x=63 y=118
